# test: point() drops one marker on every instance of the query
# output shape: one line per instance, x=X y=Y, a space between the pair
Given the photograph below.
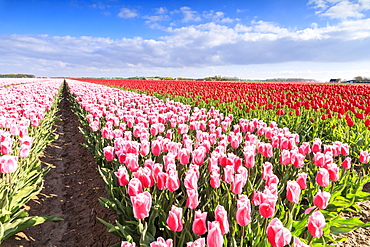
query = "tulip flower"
x=127 y=244
x=135 y=187
x=364 y=157
x=221 y=217
x=200 y=242
x=174 y=220
x=293 y=191
x=122 y=176
x=298 y=243
x=8 y=164
x=316 y=223
x=141 y=204
x=321 y=199
x=160 y=242
x=322 y=177
x=346 y=164
x=214 y=237
x=243 y=213
x=192 y=198
x=199 y=224
x=277 y=234
x=301 y=180
x=173 y=181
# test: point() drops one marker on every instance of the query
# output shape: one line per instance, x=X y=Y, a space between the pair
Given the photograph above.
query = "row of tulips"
x=332 y=112
x=27 y=115
x=6 y=82
x=183 y=176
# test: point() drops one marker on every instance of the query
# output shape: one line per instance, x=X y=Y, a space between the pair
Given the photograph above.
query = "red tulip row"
x=196 y=176
x=331 y=99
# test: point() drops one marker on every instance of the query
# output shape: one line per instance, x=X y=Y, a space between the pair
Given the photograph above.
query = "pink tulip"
x=132 y=162
x=321 y=199
x=144 y=148
x=199 y=155
x=277 y=234
x=316 y=223
x=322 y=177
x=267 y=169
x=108 y=153
x=141 y=204
x=24 y=151
x=293 y=191
x=145 y=176
x=333 y=170
x=156 y=148
x=249 y=159
x=228 y=174
x=200 y=242
x=127 y=244
x=135 y=187
x=6 y=147
x=297 y=159
x=243 y=213
x=364 y=157
x=316 y=145
x=174 y=220
x=199 y=224
x=122 y=176
x=301 y=180
x=298 y=243
x=192 y=198
x=173 y=181
x=257 y=198
x=215 y=179
x=221 y=217
x=346 y=164
x=8 y=164
x=285 y=157
x=160 y=242
x=238 y=184
x=214 y=237
x=162 y=180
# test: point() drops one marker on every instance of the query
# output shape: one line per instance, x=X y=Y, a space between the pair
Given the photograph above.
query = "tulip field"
x=190 y=163
x=27 y=115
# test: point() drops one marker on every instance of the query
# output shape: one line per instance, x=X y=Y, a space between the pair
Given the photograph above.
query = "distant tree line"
x=17 y=76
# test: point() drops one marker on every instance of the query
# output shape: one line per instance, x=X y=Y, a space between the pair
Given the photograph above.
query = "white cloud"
x=340 y=9
x=190 y=15
x=127 y=13
x=161 y=11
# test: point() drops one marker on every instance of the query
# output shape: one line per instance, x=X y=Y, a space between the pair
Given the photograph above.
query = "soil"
x=71 y=191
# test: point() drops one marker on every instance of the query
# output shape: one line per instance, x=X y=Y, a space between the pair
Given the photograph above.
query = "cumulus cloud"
x=340 y=9
x=127 y=13
x=190 y=15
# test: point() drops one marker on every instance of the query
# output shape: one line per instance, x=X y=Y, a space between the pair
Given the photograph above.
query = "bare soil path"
x=71 y=191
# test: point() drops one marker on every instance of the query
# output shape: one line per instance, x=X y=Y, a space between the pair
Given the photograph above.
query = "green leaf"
x=11 y=228
x=342 y=225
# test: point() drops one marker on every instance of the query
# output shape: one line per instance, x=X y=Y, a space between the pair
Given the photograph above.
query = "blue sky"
x=318 y=39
